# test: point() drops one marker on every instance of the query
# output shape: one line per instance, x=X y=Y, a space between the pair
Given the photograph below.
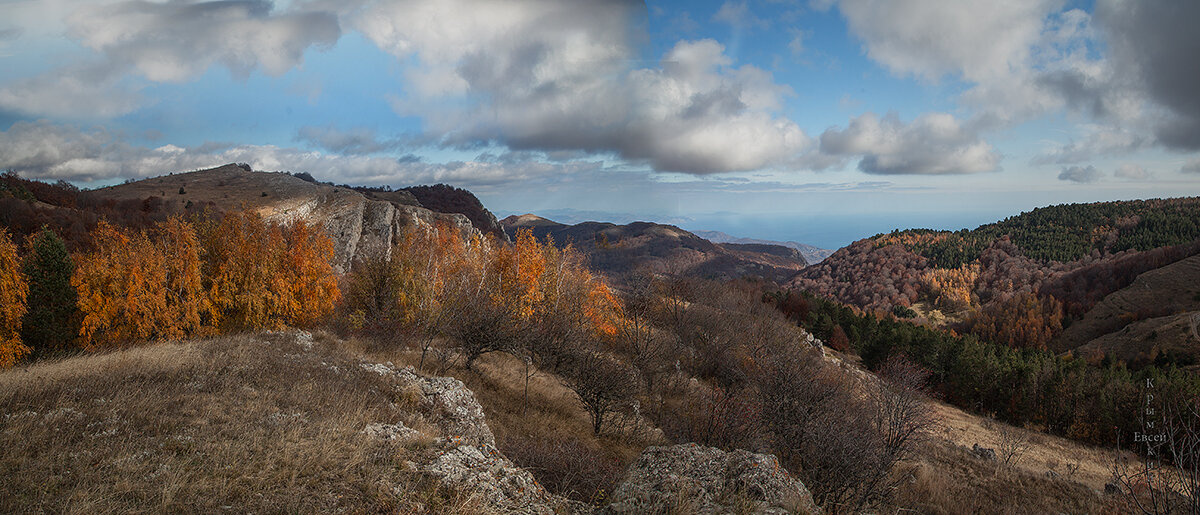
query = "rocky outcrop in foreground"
x=690 y=478
x=464 y=456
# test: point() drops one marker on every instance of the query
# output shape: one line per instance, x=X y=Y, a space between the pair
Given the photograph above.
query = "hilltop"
x=356 y=218
x=620 y=250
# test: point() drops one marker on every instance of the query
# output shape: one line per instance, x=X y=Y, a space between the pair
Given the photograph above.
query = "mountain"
x=618 y=250
x=1153 y=316
x=353 y=219
x=448 y=199
x=812 y=255
x=1079 y=277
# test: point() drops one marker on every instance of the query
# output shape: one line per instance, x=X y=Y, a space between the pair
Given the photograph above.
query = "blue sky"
x=820 y=120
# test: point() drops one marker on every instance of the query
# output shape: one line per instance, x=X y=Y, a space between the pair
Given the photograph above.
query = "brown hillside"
x=618 y=250
x=1157 y=294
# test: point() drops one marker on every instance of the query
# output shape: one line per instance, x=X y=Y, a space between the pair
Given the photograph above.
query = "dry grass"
x=553 y=437
x=1043 y=452
x=244 y=423
x=946 y=479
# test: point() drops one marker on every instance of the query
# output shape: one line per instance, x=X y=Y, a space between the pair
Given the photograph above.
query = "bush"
x=567 y=467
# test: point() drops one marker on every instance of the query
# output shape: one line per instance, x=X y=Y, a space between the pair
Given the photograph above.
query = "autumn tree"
x=309 y=288
x=137 y=286
x=51 y=319
x=13 y=292
x=261 y=275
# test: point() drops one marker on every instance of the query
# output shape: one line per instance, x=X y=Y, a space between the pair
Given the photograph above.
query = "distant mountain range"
x=619 y=250
x=812 y=255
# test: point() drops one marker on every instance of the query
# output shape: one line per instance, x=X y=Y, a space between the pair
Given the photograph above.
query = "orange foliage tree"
x=310 y=289
x=1020 y=321
x=263 y=275
x=133 y=287
x=951 y=288
x=13 y=291
x=137 y=285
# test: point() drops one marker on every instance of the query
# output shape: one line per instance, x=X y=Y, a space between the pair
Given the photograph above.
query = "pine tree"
x=51 y=322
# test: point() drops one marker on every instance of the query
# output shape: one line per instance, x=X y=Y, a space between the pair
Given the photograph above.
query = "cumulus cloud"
x=1099 y=140
x=932 y=144
x=557 y=76
x=164 y=42
x=980 y=39
x=1080 y=174
x=177 y=41
x=50 y=151
x=1132 y=172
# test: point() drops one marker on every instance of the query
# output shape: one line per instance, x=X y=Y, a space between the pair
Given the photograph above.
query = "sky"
x=819 y=121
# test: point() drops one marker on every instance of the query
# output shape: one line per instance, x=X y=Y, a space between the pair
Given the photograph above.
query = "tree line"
x=179 y=278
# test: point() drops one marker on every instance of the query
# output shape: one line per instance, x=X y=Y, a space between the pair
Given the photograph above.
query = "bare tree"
x=602 y=383
x=1011 y=445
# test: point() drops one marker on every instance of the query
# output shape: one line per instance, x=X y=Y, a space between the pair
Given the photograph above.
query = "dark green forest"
x=1063 y=233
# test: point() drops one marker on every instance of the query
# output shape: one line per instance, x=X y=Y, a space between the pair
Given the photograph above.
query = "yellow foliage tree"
x=13 y=291
x=950 y=288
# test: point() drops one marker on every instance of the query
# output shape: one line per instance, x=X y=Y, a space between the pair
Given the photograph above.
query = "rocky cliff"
x=353 y=220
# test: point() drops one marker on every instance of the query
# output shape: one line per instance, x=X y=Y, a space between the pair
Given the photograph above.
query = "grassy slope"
x=258 y=423
x=255 y=423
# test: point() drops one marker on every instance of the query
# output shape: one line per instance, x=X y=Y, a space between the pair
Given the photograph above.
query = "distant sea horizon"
x=824 y=230
x=832 y=231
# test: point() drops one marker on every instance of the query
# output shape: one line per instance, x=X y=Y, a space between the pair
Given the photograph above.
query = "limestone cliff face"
x=357 y=224
x=353 y=220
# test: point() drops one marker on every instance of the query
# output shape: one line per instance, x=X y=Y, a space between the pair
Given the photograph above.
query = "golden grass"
x=244 y=423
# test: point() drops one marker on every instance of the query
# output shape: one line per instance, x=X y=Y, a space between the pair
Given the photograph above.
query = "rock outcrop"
x=690 y=478
x=464 y=456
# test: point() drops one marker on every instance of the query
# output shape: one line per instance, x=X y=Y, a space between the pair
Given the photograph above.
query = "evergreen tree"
x=50 y=323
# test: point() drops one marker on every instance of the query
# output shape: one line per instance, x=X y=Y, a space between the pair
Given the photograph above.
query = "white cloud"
x=932 y=144
x=71 y=92
x=49 y=151
x=357 y=140
x=557 y=76
x=737 y=14
x=1080 y=174
x=177 y=41
x=1099 y=140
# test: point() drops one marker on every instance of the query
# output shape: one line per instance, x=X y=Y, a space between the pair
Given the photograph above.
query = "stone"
x=698 y=479
x=986 y=453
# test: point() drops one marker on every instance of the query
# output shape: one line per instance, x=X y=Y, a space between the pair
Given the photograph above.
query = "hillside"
x=1022 y=280
x=812 y=255
x=620 y=250
x=1147 y=318
x=353 y=219
x=312 y=424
